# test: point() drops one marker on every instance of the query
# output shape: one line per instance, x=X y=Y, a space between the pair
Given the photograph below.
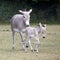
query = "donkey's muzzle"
x=26 y=46
x=43 y=37
x=27 y=25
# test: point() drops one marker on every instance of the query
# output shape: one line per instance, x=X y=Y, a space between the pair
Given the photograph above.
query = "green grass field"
x=49 y=48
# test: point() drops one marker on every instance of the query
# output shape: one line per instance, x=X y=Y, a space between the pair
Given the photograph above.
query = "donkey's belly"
x=17 y=30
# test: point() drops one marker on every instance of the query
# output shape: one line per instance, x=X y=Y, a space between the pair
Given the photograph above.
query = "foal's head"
x=26 y=16
x=43 y=29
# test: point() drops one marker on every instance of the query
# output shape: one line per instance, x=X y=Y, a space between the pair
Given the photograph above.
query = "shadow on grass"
x=10 y=50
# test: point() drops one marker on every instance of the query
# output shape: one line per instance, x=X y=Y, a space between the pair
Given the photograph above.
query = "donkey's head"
x=43 y=29
x=26 y=16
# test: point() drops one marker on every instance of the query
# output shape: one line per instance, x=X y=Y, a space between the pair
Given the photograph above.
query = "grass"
x=49 y=48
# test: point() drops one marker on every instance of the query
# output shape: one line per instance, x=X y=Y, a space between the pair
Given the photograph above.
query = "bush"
x=10 y=8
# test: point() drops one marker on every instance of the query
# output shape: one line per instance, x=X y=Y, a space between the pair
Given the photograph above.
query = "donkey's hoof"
x=26 y=46
x=36 y=51
x=32 y=50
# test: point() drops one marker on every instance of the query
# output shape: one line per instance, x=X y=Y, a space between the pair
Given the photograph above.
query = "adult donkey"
x=18 y=24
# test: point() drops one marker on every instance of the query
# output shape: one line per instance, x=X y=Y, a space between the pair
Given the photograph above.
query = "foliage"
x=42 y=11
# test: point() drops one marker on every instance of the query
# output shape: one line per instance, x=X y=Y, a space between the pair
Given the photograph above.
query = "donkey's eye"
x=24 y=16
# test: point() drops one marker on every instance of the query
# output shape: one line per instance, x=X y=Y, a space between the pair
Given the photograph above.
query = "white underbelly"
x=17 y=30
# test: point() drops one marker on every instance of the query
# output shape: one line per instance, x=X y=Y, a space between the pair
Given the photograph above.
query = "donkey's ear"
x=40 y=24
x=20 y=11
x=30 y=10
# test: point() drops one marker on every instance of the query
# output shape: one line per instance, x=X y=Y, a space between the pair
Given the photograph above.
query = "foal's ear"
x=45 y=26
x=30 y=11
x=20 y=11
x=40 y=24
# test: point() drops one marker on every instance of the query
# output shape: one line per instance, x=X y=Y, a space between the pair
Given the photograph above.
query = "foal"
x=34 y=32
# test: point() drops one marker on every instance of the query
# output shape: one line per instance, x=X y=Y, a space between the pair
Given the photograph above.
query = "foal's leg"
x=13 y=33
x=37 y=44
x=22 y=41
x=29 y=42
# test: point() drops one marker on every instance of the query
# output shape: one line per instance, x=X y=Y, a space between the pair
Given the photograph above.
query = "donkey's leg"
x=22 y=41
x=37 y=44
x=13 y=33
x=30 y=45
x=29 y=42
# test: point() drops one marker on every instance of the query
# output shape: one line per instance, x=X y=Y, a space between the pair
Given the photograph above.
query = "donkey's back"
x=17 y=22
